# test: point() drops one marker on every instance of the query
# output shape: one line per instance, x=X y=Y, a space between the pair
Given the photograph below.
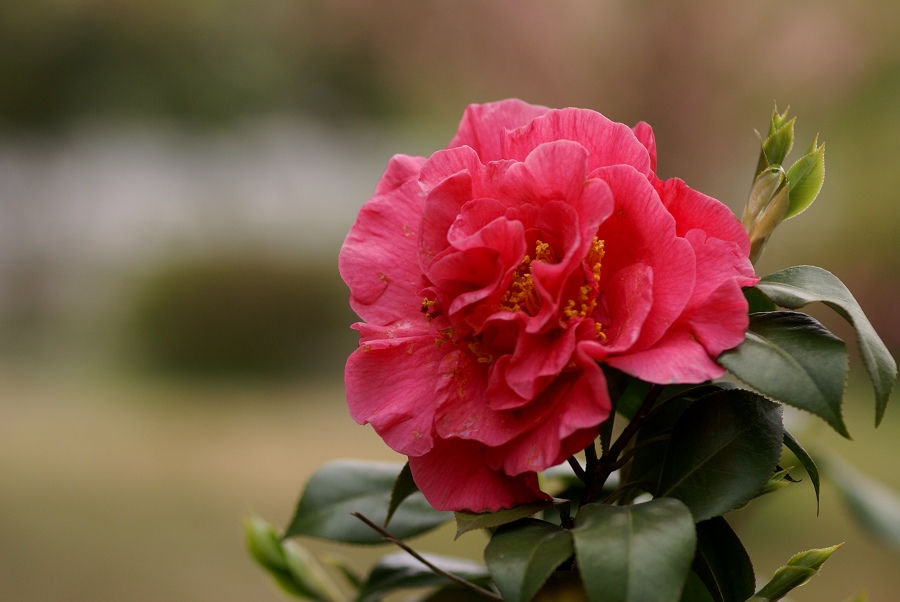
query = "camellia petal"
x=455 y=476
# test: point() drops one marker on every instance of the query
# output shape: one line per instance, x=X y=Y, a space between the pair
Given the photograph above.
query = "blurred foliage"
x=193 y=61
x=247 y=317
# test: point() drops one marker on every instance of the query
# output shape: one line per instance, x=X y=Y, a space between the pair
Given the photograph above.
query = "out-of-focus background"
x=176 y=179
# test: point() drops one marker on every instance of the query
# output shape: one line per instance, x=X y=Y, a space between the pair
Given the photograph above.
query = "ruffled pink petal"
x=482 y=126
x=391 y=385
x=454 y=475
x=463 y=407
x=721 y=321
x=676 y=358
x=694 y=210
x=644 y=133
x=580 y=402
x=640 y=230
x=440 y=210
x=558 y=169
x=378 y=258
x=400 y=169
x=625 y=305
x=538 y=360
x=607 y=142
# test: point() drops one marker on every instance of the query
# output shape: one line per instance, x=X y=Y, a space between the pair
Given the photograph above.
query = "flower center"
x=521 y=294
x=588 y=294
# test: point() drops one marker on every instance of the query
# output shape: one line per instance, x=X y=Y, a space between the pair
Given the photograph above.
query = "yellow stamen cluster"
x=482 y=356
x=587 y=294
x=521 y=294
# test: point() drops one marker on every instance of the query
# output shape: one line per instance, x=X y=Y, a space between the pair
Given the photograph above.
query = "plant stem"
x=599 y=470
x=576 y=467
x=459 y=580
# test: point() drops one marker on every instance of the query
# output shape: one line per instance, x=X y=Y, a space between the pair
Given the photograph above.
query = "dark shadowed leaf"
x=722 y=451
x=790 y=357
x=404 y=487
x=339 y=488
x=467 y=521
x=695 y=591
x=721 y=562
x=806 y=460
x=651 y=441
x=400 y=571
x=757 y=301
x=634 y=553
x=798 y=286
x=522 y=555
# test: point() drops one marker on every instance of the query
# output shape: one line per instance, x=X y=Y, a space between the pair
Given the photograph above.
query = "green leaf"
x=805 y=179
x=695 y=591
x=404 y=487
x=795 y=573
x=806 y=460
x=768 y=181
x=291 y=566
x=778 y=143
x=650 y=443
x=342 y=487
x=634 y=553
x=722 y=563
x=401 y=571
x=467 y=521
x=781 y=479
x=522 y=555
x=790 y=357
x=342 y=566
x=874 y=505
x=722 y=452
x=757 y=301
x=799 y=286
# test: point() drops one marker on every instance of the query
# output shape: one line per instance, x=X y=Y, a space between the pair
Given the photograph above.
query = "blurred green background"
x=176 y=179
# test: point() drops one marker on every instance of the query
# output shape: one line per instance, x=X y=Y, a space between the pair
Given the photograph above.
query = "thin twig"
x=607 y=463
x=459 y=580
x=576 y=466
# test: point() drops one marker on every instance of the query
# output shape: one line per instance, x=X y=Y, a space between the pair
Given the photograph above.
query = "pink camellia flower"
x=493 y=277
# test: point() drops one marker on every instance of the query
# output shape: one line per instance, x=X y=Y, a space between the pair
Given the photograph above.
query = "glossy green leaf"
x=790 y=357
x=757 y=301
x=339 y=488
x=634 y=553
x=722 y=563
x=404 y=487
x=799 y=569
x=799 y=286
x=778 y=144
x=805 y=179
x=651 y=442
x=467 y=521
x=695 y=591
x=402 y=571
x=289 y=564
x=873 y=504
x=522 y=555
x=722 y=452
x=806 y=460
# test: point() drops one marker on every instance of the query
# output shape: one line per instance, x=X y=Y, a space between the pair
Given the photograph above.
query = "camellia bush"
x=545 y=329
